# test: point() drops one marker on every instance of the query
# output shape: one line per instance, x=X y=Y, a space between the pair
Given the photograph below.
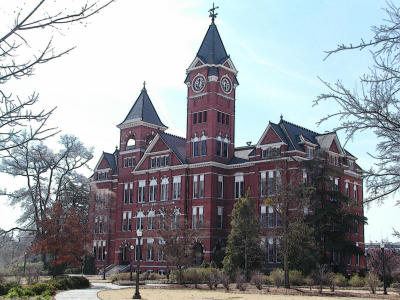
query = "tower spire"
x=213 y=14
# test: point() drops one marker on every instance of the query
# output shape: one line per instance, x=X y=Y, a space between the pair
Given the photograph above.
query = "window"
x=222 y=118
x=149 y=251
x=103 y=175
x=347 y=189
x=176 y=188
x=355 y=194
x=271 y=257
x=271 y=189
x=227 y=119
x=225 y=152
x=358 y=260
x=139 y=220
x=270 y=153
x=220 y=186
x=95 y=227
x=141 y=190
x=310 y=152
x=305 y=177
x=204 y=116
x=199 y=116
x=195 y=148
x=349 y=260
x=351 y=165
x=152 y=190
x=219 y=117
x=130 y=144
x=263 y=184
x=150 y=220
x=239 y=186
x=161 y=220
x=278 y=216
x=129 y=162
x=278 y=251
x=175 y=220
x=201 y=186
x=127 y=221
x=203 y=146
x=164 y=189
x=126 y=193
x=194 y=118
x=356 y=227
x=270 y=217
x=159 y=161
x=263 y=216
x=195 y=187
x=219 y=145
x=105 y=225
x=197 y=217
x=278 y=182
x=161 y=256
x=220 y=210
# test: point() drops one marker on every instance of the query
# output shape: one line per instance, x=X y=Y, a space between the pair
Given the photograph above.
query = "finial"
x=213 y=14
x=144 y=85
x=281 y=116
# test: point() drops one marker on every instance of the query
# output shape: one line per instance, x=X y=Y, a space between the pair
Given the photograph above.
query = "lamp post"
x=139 y=233
x=104 y=273
x=130 y=267
x=383 y=268
x=25 y=253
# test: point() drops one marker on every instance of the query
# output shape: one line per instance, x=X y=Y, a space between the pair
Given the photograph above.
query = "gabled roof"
x=112 y=160
x=176 y=143
x=212 y=50
x=144 y=110
x=293 y=132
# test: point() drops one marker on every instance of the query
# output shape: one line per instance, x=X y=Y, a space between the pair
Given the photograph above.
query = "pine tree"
x=243 y=250
x=333 y=215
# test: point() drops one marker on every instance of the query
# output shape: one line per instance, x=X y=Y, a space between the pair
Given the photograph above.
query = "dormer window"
x=310 y=152
x=159 y=161
x=102 y=175
x=270 y=153
x=129 y=162
x=131 y=144
x=351 y=165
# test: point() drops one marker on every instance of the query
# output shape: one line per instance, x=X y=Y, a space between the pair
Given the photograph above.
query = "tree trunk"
x=285 y=248
x=245 y=260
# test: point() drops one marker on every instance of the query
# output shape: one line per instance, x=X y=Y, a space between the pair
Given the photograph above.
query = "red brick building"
x=200 y=176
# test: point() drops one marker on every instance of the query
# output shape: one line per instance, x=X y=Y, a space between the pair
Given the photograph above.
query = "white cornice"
x=139 y=122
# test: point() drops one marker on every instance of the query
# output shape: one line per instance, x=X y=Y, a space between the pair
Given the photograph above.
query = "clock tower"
x=211 y=82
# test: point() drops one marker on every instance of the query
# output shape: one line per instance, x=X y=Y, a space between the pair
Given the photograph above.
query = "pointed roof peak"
x=143 y=110
x=212 y=50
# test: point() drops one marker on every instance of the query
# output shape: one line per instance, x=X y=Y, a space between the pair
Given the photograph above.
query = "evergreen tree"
x=243 y=250
x=333 y=215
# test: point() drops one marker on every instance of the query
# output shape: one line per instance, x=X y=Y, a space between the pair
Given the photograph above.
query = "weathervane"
x=213 y=14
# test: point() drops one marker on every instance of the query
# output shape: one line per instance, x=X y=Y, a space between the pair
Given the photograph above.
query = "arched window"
x=131 y=144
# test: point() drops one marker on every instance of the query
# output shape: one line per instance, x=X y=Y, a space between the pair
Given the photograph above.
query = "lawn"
x=191 y=294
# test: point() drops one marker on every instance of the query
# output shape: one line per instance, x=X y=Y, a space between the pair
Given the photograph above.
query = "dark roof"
x=212 y=50
x=237 y=160
x=112 y=160
x=176 y=143
x=144 y=110
x=279 y=132
x=292 y=133
x=212 y=71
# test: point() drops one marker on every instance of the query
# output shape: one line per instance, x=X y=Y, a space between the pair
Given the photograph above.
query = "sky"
x=277 y=46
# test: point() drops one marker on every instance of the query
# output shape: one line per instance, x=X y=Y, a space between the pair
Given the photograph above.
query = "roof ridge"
x=170 y=134
x=299 y=126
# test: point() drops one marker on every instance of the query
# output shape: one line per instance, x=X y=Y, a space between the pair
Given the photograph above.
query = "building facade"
x=199 y=176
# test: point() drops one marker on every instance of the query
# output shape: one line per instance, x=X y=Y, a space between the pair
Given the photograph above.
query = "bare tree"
x=47 y=174
x=177 y=240
x=19 y=122
x=375 y=106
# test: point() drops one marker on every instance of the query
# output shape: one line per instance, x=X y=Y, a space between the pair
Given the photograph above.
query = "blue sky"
x=277 y=46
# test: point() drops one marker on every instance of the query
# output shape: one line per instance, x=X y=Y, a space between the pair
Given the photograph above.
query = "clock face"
x=226 y=85
x=198 y=83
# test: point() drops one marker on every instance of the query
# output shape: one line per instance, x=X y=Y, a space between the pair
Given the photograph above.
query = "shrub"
x=309 y=281
x=373 y=281
x=240 y=279
x=356 y=281
x=32 y=272
x=296 y=278
x=258 y=280
x=278 y=277
x=212 y=278
x=225 y=280
x=396 y=287
x=5 y=287
x=341 y=280
x=192 y=275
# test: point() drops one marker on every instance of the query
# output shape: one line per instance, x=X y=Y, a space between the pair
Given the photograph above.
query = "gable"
x=103 y=163
x=159 y=146
x=198 y=64
x=334 y=147
x=271 y=137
